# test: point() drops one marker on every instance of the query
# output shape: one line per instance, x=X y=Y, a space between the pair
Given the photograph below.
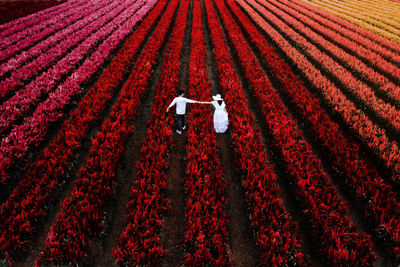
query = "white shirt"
x=181 y=104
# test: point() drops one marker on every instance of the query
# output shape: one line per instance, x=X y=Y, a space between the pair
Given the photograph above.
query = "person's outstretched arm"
x=172 y=103
x=191 y=101
x=195 y=101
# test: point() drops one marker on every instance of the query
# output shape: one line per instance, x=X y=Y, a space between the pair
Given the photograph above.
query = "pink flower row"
x=140 y=243
x=71 y=25
x=82 y=215
x=39 y=188
x=370 y=133
x=343 y=32
x=22 y=40
x=327 y=211
x=378 y=198
x=24 y=100
x=15 y=146
x=357 y=87
x=278 y=242
x=27 y=22
x=205 y=240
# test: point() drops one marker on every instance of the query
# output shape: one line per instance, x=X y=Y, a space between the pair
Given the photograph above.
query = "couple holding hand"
x=220 y=115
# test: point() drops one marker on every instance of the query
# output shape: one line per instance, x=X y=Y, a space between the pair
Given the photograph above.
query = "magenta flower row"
x=72 y=24
x=82 y=215
x=25 y=99
x=40 y=186
x=23 y=39
x=29 y=21
x=15 y=146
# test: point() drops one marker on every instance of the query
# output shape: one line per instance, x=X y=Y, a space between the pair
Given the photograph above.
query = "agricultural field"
x=11 y=10
x=93 y=173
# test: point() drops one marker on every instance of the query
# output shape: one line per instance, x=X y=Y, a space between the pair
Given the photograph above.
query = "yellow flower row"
x=388 y=4
x=380 y=14
x=380 y=26
x=389 y=9
x=387 y=16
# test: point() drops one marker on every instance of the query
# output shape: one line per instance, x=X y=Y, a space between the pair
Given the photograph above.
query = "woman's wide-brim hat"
x=217 y=97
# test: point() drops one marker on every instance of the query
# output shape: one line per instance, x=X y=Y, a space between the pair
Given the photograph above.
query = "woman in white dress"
x=221 y=120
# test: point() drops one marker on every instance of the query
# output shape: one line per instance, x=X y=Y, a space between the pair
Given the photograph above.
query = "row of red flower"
x=327 y=212
x=23 y=138
x=206 y=221
x=40 y=186
x=27 y=96
x=82 y=216
x=278 y=243
x=16 y=11
x=139 y=243
x=357 y=87
x=378 y=198
x=373 y=136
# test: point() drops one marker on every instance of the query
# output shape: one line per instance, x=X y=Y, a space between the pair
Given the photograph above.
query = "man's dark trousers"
x=180 y=119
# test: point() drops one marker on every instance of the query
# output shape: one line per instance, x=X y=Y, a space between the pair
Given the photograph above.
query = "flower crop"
x=15 y=146
x=83 y=212
x=206 y=233
x=377 y=196
x=278 y=243
x=140 y=243
x=40 y=185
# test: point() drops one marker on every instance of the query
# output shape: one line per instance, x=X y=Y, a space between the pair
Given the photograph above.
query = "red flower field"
x=93 y=173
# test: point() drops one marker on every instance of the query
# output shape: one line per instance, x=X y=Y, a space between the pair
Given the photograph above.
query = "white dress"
x=220 y=117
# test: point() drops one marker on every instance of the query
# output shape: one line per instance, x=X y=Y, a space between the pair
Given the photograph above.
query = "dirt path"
x=242 y=245
x=174 y=222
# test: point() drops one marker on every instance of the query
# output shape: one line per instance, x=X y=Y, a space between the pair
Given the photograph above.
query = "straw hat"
x=217 y=97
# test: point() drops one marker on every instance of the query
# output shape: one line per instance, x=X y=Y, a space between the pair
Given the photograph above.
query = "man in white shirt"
x=180 y=102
